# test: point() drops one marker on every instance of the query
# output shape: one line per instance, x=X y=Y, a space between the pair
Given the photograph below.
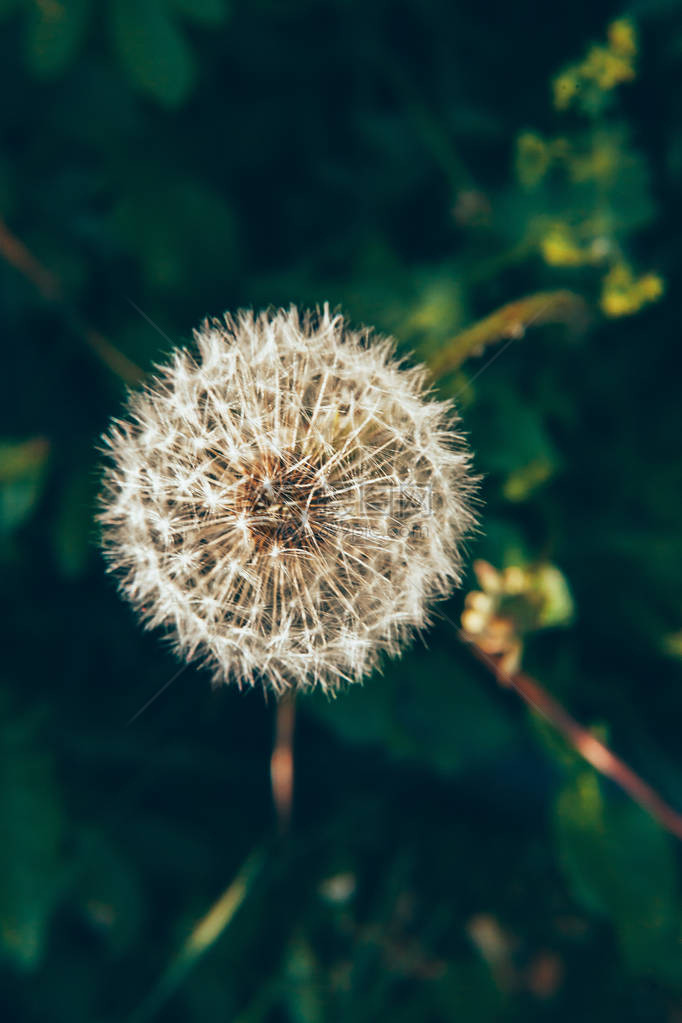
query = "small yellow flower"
x=603 y=68
x=512 y=603
x=565 y=87
x=606 y=69
x=559 y=248
x=651 y=287
x=623 y=38
x=624 y=294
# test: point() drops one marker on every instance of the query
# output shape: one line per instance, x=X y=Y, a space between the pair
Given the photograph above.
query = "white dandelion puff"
x=287 y=501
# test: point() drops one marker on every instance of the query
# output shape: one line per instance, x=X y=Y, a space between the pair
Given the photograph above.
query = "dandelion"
x=287 y=500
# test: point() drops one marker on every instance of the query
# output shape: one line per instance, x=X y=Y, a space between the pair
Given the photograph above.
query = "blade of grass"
x=202 y=937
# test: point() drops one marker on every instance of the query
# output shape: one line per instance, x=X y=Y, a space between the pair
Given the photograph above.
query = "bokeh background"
x=421 y=164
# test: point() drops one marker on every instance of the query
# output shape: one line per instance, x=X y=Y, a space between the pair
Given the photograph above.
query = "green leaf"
x=8 y=7
x=6 y=190
x=523 y=482
x=301 y=989
x=23 y=468
x=619 y=864
x=511 y=439
x=152 y=50
x=446 y=717
x=55 y=31
x=468 y=992
x=74 y=526
x=206 y=12
x=109 y=892
x=179 y=232
x=31 y=825
x=427 y=708
x=557 y=606
x=502 y=543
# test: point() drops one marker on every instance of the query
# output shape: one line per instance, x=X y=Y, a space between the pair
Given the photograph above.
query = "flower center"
x=285 y=504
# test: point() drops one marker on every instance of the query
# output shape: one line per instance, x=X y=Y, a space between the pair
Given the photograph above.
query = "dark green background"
x=194 y=158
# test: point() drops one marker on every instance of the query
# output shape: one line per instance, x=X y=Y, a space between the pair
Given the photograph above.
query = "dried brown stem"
x=510 y=321
x=16 y=253
x=282 y=760
x=586 y=744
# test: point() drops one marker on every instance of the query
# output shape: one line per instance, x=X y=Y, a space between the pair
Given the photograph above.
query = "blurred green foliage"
x=420 y=164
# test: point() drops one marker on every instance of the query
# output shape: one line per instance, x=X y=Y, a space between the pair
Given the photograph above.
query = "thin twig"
x=47 y=284
x=584 y=742
x=510 y=321
x=282 y=761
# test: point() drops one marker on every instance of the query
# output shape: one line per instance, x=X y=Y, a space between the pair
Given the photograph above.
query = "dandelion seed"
x=287 y=501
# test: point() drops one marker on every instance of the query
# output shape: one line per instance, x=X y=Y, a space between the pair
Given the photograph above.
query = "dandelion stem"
x=584 y=742
x=282 y=760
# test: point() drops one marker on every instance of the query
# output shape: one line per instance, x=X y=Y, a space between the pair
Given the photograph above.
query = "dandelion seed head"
x=287 y=500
